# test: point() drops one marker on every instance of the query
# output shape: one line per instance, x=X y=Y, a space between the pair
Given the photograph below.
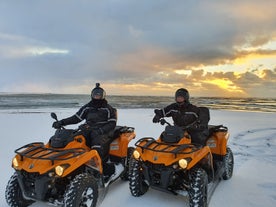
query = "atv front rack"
x=153 y=145
x=37 y=150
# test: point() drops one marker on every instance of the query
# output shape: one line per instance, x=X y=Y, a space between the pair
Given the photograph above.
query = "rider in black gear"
x=100 y=119
x=184 y=113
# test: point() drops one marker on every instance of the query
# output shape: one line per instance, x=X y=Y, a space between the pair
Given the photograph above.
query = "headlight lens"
x=136 y=154
x=15 y=162
x=59 y=170
x=183 y=163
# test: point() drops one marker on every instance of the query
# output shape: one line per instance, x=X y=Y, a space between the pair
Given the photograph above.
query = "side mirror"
x=54 y=116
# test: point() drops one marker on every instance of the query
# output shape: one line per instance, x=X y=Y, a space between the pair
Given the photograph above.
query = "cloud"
x=152 y=46
x=14 y=47
x=44 y=51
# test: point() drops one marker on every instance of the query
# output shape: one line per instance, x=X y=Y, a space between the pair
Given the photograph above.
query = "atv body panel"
x=41 y=159
x=158 y=152
x=218 y=139
x=118 y=145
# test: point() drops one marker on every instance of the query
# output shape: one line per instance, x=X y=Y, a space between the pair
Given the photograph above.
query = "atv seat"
x=117 y=131
x=216 y=128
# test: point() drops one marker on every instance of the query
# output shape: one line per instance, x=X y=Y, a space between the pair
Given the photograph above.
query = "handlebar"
x=164 y=121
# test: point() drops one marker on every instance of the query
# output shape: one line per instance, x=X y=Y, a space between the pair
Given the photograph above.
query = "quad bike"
x=65 y=171
x=175 y=165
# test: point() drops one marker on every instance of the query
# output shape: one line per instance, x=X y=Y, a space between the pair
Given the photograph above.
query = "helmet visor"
x=182 y=95
x=98 y=93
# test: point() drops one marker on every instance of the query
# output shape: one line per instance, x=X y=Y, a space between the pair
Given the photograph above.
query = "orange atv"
x=175 y=165
x=65 y=171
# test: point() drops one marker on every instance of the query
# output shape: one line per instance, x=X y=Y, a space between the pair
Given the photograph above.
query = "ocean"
x=45 y=103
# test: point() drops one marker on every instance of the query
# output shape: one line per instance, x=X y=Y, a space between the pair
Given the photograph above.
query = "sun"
x=225 y=84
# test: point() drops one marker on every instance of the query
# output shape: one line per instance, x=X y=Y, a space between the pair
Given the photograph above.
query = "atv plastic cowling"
x=157 y=152
x=40 y=158
x=122 y=137
x=218 y=139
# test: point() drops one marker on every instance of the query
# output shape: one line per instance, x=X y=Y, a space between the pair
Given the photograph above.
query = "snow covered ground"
x=253 y=142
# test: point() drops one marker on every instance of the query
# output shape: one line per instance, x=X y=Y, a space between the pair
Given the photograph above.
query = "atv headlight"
x=183 y=163
x=15 y=162
x=59 y=170
x=136 y=154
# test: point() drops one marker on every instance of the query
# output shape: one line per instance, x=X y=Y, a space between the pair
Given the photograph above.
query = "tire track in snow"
x=257 y=143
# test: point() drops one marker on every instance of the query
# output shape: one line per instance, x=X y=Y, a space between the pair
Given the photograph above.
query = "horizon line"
x=48 y=93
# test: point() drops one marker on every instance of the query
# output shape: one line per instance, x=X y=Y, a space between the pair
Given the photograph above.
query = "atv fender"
x=119 y=146
x=218 y=139
x=91 y=159
x=203 y=156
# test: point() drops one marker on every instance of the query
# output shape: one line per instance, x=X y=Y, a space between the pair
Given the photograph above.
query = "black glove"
x=57 y=124
x=158 y=112
x=158 y=115
x=156 y=118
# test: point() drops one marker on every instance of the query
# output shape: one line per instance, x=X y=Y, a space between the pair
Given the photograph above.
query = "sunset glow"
x=226 y=85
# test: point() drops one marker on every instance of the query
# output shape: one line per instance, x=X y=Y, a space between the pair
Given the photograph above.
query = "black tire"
x=125 y=175
x=82 y=192
x=228 y=164
x=198 y=193
x=13 y=194
x=137 y=184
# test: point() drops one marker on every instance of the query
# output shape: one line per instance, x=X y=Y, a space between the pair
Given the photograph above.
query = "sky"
x=139 y=47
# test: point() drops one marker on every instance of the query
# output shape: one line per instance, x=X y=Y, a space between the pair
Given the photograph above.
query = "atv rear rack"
x=37 y=150
x=152 y=144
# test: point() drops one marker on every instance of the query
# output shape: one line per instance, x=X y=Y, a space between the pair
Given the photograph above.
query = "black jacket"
x=102 y=117
x=191 y=116
x=182 y=115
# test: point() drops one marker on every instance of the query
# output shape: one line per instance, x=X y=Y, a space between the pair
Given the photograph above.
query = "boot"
x=108 y=170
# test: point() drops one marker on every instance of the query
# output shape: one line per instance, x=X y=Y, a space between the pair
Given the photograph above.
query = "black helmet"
x=184 y=93
x=98 y=93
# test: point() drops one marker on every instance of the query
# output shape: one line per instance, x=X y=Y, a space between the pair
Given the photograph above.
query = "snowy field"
x=252 y=140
